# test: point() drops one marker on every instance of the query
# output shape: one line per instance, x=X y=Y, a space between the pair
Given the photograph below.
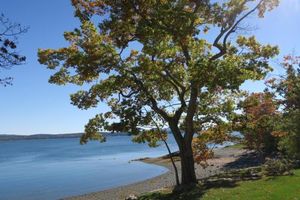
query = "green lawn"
x=277 y=188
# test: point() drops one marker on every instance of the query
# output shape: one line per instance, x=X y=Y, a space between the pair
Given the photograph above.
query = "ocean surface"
x=56 y=168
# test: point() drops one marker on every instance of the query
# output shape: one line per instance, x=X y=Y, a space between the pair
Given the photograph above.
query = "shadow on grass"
x=245 y=161
x=193 y=192
x=244 y=168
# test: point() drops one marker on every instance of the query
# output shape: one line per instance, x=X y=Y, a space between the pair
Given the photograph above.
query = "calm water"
x=56 y=168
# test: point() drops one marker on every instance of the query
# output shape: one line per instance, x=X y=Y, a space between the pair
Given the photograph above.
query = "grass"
x=272 y=188
x=276 y=188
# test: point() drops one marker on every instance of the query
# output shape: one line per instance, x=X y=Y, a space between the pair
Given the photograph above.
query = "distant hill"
x=4 y=137
x=39 y=136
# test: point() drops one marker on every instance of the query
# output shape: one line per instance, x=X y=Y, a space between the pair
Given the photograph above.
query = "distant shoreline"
x=4 y=137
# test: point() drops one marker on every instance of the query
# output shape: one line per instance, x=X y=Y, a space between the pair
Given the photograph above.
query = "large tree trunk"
x=188 y=175
x=186 y=152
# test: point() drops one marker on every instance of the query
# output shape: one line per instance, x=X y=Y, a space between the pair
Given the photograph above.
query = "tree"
x=157 y=55
x=259 y=123
x=287 y=88
x=8 y=44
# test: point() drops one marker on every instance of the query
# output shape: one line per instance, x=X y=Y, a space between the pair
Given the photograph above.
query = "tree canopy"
x=182 y=59
x=287 y=89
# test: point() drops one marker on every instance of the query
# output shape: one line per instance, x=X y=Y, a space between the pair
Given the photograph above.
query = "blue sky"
x=32 y=105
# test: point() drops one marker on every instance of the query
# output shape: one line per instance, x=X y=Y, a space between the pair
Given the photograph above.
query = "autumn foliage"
x=259 y=121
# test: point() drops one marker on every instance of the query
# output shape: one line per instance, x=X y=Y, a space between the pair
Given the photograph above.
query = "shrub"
x=277 y=167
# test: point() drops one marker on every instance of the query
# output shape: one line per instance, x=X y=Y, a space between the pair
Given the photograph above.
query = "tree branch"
x=228 y=31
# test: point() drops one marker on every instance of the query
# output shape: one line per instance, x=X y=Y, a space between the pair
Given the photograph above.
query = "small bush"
x=277 y=167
